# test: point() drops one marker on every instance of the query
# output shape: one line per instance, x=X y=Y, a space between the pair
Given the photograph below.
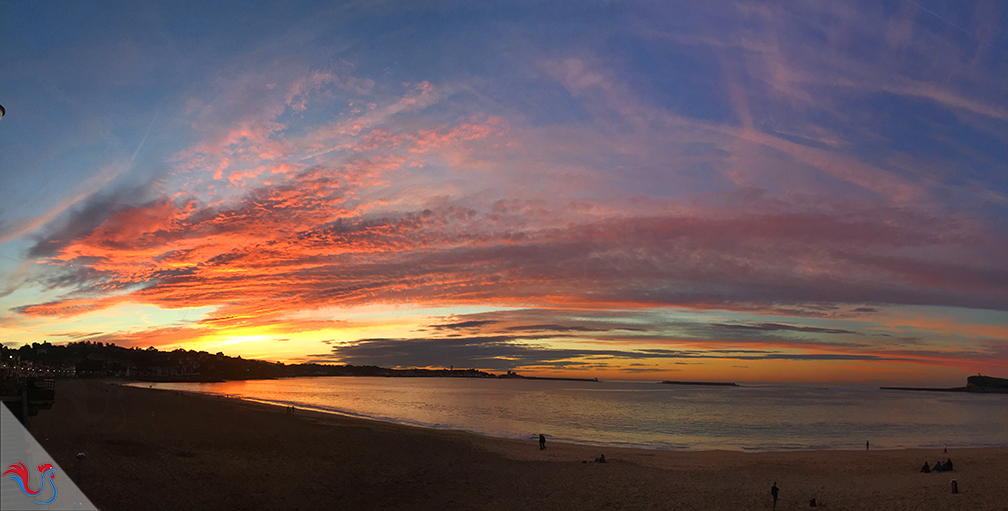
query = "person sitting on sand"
x=542 y=442
x=937 y=466
x=925 y=469
x=947 y=466
x=600 y=459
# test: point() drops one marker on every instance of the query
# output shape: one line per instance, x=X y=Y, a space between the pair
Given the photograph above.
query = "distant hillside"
x=980 y=383
x=95 y=359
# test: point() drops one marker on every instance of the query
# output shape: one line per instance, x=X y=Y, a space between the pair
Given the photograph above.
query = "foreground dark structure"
x=27 y=395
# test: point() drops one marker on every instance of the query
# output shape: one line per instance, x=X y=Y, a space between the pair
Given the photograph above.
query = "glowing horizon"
x=794 y=193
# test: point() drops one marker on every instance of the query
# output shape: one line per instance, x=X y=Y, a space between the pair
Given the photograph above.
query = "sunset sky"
x=746 y=191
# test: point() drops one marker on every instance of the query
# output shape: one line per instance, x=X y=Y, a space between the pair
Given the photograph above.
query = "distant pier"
x=558 y=379
x=974 y=384
x=714 y=383
x=926 y=389
x=512 y=374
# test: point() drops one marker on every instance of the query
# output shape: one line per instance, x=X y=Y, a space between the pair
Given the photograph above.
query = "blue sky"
x=820 y=191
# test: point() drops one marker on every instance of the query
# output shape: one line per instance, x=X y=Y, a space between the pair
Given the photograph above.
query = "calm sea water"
x=649 y=415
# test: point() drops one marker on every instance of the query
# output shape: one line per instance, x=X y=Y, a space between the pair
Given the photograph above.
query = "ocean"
x=648 y=414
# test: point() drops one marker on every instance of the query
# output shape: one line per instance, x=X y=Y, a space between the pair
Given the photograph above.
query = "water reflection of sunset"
x=642 y=414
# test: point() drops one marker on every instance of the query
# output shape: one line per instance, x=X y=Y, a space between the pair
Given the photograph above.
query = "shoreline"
x=670 y=447
x=629 y=451
x=178 y=449
x=573 y=442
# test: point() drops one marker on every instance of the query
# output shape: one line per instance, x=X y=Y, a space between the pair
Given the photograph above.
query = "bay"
x=647 y=414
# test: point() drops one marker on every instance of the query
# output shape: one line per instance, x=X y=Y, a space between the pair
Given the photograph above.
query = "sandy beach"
x=152 y=449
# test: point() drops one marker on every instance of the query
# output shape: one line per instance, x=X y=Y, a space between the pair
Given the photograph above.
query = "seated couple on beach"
x=938 y=467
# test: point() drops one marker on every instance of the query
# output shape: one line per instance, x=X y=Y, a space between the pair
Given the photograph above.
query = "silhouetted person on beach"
x=925 y=469
x=866 y=445
x=542 y=442
x=774 y=490
x=946 y=448
x=947 y=466
x=938 y=467
x=600 y=459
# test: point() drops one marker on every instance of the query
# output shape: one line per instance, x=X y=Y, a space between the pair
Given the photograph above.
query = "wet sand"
x=153 y=449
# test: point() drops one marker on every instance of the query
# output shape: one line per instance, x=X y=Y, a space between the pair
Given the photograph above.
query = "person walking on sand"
x=542 y=442
x=773 y=491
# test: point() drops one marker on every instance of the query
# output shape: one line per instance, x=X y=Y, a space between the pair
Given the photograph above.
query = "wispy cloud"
x=782 y=165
